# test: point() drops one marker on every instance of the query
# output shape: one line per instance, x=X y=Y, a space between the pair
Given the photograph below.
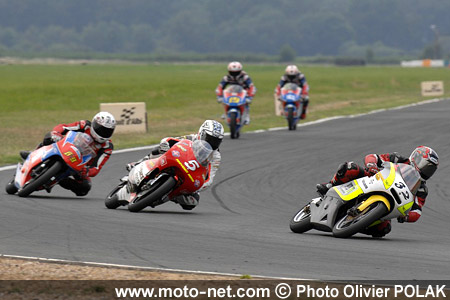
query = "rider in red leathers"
x=237 y=76
x=101 y=129
x=424 y=159
x=293 y=75
x=210 y=131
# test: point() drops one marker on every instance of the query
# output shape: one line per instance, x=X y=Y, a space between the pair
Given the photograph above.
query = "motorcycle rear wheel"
x=350 y=225
x=301 y=222
x=161 y=189
x=41 y=179
x=111 y=201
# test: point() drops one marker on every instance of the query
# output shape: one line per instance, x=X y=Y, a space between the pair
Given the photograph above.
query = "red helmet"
x=425 y=160
x=234 y=68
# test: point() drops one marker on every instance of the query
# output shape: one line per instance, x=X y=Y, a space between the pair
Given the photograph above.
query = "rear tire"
x=111 y=201
x=11 y=187
x=41 y=179
x=348 y=225
x=233 y=126
x=301 y=222
x=162 y=189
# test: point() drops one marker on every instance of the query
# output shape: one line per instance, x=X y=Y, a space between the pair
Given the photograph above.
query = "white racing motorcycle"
x=362 y=203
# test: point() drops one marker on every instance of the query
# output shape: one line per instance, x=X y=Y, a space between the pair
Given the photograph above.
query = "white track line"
x=106 y=265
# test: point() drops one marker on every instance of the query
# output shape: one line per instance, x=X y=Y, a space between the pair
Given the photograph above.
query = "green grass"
x=34 y=98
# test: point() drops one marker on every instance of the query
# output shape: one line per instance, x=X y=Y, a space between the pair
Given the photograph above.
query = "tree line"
x=308 y=27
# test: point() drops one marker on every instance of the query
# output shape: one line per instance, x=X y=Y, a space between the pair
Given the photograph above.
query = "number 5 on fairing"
x=192 y=165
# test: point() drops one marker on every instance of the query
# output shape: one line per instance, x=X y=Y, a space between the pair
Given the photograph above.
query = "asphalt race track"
x=242 y=224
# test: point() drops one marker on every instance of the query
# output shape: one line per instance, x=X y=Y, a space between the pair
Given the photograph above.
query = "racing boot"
x=305 y=106
x=24 y=154
x=124 y=193
x=379 y=230
x=80 y=187
x=303 y=115
x=322 y=188
x=188 y=202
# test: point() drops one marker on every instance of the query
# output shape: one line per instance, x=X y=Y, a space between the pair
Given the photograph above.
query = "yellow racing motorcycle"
x=362 y=203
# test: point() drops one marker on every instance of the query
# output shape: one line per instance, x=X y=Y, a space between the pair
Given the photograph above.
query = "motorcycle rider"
x=293 y=75
x=424 y=159
x=210 y=131
x=100 y=129
x=236 y=75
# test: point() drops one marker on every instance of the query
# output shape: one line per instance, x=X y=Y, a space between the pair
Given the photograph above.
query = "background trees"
x=326 y=27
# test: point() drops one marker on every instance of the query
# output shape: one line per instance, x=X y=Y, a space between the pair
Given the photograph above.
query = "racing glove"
x=130 y=166
x=219 y=99
x=164 y=145
x=248 y=100
x=84 y=173
x=372 y=168
x=56 y=136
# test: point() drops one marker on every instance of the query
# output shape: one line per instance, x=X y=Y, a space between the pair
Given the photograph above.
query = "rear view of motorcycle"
x=292 y=104
x=180 y=171
x=362 y=203
x=235 y=101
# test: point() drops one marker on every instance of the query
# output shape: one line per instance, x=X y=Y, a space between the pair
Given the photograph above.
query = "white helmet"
x=102 y=126
x=292 y=70
x=212 y=132
x=425 y=160
x=234 y=68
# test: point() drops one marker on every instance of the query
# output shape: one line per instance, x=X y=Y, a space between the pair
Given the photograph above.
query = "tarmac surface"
x=242 y=223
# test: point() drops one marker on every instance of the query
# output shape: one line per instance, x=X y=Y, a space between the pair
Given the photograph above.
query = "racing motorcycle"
x=362 y=203
x=234 y=101
x=48 y=165
x=292 y=103
x=181 y=170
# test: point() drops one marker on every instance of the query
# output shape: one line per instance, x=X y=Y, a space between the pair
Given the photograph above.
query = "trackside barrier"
x=130 y=116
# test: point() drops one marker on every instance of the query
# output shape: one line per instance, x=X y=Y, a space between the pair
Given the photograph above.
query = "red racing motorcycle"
x=181 y=170
x=48 y=165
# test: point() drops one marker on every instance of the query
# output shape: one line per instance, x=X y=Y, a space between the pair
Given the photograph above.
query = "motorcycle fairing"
x=349 y=190
x=323 y=216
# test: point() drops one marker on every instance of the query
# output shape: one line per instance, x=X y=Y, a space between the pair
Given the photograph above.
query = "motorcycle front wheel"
x=290 y=118
x=40 y=179
x=352 y=224
x=301 y=222
x=233 y=126
x=159 y=190
x=111 y=201
x=11 y=188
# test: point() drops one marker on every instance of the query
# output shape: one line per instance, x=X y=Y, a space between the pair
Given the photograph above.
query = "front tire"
x=41 y=179
x=111 y=201
x=350 y=225
x=233 y=125
x=301 y=222
x=162 y=189
x=290 y=118
x=11 y=187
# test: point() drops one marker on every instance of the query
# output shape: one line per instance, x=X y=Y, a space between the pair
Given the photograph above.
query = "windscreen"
x=234 y=88
x=410 y=176
x=202 y=151
x=290 y=87
x=84 y=143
